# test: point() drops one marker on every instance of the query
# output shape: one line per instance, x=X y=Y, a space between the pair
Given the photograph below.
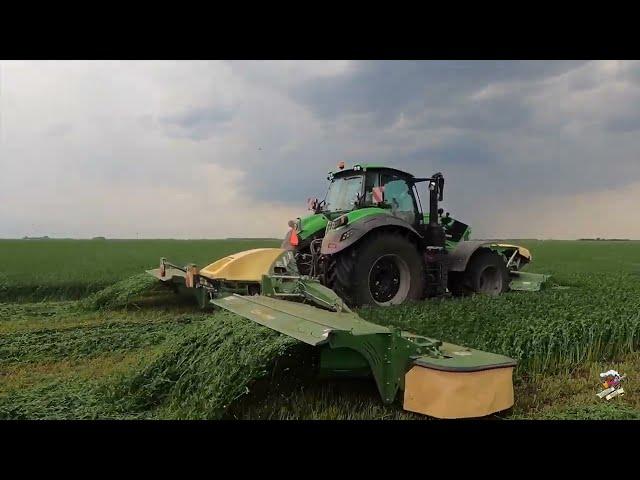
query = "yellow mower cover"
x=247 y=266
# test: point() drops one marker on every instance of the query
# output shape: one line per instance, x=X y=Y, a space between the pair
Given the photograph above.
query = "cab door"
x=398 y=194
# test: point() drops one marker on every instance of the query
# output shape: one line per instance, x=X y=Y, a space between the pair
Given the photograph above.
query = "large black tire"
x=487 y=273
x=383 y=269
x=457 y=285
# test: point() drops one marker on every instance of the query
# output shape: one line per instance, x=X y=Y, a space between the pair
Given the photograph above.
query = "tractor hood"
x=306 y=228
x=366 y=212
x=357 y=214
x=311 y=224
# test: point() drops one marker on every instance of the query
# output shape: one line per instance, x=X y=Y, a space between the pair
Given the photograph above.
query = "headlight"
x=346 y=235
x=339 y=222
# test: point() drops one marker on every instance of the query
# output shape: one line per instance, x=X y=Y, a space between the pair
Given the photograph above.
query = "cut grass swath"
x=122 y=293
x=201 y=375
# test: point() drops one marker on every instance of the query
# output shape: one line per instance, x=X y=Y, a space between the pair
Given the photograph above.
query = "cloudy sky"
x=542 y=149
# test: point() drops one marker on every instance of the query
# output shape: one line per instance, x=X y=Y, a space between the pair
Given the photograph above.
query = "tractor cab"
x=373 y=186
x=367 y=190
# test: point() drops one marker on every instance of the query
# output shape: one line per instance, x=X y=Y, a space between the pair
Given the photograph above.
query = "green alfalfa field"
x=85 y=334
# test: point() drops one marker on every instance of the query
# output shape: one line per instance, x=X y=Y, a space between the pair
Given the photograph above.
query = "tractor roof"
x=372 y=166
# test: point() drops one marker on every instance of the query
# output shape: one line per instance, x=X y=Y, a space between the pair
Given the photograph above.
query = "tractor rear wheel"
x=487 y=273
x=384 y=269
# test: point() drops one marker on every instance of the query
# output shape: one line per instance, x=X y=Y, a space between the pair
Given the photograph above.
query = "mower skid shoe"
x=447 y=394
x=528 y=282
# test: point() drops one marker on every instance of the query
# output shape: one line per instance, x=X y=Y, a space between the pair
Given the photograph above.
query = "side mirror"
x=315 y=205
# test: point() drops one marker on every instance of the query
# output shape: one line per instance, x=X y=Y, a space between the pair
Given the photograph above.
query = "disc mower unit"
x=238 y=273
x=438 y=379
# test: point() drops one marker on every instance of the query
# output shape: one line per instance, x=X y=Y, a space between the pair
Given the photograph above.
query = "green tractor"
x=371 y=243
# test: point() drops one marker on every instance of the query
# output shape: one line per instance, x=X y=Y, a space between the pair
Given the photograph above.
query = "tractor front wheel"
x=385 y=269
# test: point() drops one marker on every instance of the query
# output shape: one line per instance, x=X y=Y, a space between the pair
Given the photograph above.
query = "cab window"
x=397 y=193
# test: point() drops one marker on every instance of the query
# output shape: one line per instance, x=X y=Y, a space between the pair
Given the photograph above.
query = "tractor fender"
x=459 y=258
x=332 y=244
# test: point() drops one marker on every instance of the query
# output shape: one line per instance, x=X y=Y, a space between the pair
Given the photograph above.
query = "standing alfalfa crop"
x=599 y=317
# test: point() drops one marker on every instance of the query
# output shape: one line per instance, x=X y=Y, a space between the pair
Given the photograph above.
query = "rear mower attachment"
x=439 y=379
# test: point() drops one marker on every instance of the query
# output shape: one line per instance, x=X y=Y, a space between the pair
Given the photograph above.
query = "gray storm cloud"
x=235 y=148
